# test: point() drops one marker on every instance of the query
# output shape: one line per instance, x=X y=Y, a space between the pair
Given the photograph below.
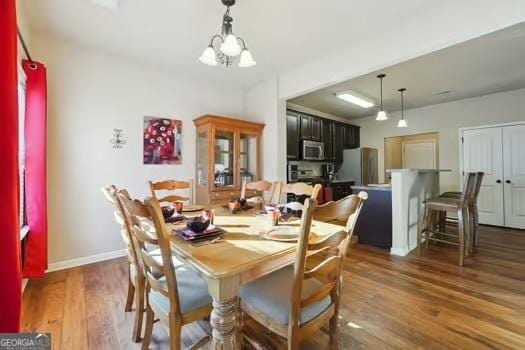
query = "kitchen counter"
x=342 y=180
x=371 y=188
x=410 y=189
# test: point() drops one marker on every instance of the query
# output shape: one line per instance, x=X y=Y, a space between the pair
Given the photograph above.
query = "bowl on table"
x=167 y=211
x=198 y=224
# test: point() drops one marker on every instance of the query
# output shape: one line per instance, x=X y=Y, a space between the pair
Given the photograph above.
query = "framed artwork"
x=162 y=141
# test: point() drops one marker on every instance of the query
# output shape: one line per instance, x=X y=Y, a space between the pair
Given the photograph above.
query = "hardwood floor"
x=388 y=302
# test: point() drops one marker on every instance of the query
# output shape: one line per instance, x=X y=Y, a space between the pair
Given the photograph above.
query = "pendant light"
x=402 y=122
x=381 y=115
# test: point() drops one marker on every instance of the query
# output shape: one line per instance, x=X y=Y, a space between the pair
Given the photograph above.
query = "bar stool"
x=434 y=206
x=473 y=210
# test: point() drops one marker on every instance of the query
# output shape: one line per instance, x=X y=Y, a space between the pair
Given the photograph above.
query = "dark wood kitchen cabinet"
x=328 y=139
x=336 y=136
x=310 y=128
x=338 y=144
x=351 y=136
x=292 y=135
x=341 y=189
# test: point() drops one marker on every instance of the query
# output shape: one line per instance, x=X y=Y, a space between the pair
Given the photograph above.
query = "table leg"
x=224 y=317
x=224 y=320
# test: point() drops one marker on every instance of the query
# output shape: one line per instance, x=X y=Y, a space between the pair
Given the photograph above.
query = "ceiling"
x=172 y=34
x=489 y=64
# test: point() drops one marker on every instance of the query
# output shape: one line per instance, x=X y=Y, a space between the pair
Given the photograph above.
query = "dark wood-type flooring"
x=389 y=302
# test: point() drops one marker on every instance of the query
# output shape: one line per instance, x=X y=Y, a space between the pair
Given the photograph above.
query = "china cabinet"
x=228 y=152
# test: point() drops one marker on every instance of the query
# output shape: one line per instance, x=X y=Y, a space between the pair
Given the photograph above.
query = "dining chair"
x=172 y=185
x=135 y=280
x=267 y=192
x=434 y=206
x=301 y=189
x=296 y=302
x=344 y=211
x=175 y=296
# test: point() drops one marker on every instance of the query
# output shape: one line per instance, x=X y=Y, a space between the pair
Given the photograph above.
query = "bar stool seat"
x=442 y=204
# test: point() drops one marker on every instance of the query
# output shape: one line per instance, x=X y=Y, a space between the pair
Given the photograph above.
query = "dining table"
x=242 y=255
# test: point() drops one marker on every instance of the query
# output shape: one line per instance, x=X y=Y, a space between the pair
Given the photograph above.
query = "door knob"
x=498 y=181
x=507 y=181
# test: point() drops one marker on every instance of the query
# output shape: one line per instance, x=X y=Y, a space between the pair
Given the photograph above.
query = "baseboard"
x=66 y=264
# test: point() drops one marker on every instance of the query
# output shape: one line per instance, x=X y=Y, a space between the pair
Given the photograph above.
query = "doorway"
x=418 y=151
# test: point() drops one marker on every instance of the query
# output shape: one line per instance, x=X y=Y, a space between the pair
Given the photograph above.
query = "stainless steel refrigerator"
x=360 y=165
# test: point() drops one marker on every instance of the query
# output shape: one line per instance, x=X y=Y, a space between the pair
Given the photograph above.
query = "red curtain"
x=35 y=262
x=10 y=274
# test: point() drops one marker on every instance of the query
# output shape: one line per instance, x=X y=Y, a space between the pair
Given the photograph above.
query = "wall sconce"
x=117 y=140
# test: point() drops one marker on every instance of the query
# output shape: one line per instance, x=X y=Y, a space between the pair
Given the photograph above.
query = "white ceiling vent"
x=110 y=4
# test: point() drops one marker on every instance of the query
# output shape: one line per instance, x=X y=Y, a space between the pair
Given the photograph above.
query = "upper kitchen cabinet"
x=310 y=128
x=351 y=136
x=336 y=136
x=339 y=135
x=328 y=138
x=292 y=135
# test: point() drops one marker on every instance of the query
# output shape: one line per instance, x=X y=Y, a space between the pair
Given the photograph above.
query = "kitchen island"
x=374 y=226
x=410 y=188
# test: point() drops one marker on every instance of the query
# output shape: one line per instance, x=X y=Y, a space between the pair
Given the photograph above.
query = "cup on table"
x=274 y=216
x=234 y=207
x=179 y=206
x=209 y=214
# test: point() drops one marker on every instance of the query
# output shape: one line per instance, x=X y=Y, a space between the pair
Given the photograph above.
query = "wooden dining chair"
x=136 y=276
x=135 y=280
x=301 y=189
x=176 y=296
x=172 y=185
x=267 y=192
x=343 y=212
x=295 y=302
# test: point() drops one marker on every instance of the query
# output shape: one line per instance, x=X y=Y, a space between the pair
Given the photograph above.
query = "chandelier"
x=230 y=45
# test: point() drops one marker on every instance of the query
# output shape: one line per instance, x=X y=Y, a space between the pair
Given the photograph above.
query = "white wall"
x=263 y=105
x=90 y=93
x=446 y=119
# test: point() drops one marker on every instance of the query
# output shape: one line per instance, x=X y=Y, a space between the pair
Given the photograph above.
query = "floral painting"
x=162 y=141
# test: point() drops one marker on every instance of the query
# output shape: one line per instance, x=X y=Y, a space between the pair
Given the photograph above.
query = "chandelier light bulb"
x=246 y=59
x=208 y=56
x=402 y=123
x=381 y=115
x=230 y=46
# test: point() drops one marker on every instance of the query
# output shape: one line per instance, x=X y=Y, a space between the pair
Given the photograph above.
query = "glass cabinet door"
x=224 y=158
x=248 y=157
x=202 y=158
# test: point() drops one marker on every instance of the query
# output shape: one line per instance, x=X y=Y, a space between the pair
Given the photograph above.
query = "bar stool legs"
x=464 y=236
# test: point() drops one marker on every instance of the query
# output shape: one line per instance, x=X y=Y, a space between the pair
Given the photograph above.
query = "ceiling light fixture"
x=229 y=47
x=381 y=115
x=402 y=122
x=352 y=97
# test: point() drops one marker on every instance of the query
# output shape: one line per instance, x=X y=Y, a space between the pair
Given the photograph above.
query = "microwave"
x=313 y=150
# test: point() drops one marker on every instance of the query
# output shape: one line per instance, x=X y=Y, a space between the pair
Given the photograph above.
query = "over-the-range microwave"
x=313 y=150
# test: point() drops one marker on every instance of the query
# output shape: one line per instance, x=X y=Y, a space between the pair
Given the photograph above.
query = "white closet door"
x=482 y=151
x=514 y=175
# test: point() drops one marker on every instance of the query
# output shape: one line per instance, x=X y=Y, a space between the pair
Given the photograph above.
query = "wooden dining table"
x=241 y=256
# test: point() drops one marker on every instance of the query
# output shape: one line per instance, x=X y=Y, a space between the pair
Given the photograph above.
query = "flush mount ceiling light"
x=229 y=47
x=402 y=122
x=352 y=97
x=381 y=115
